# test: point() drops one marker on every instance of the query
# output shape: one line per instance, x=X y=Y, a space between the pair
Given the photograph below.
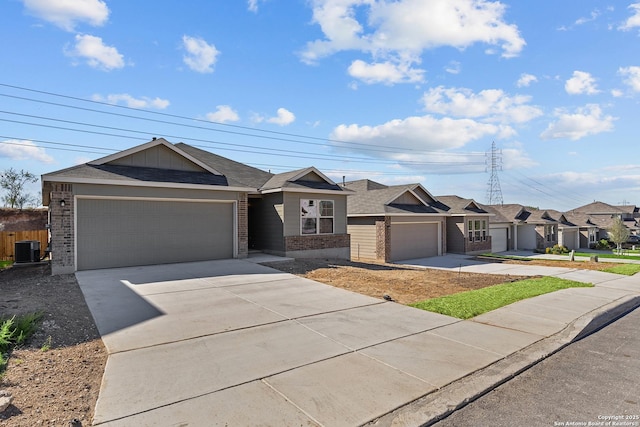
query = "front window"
x=316 y=216
x=550 y=232
x=592 y=235
x=477 y=230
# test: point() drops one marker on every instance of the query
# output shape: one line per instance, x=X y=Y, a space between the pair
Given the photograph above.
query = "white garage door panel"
x=119 y=233
x=410 y=241
x=498 y=239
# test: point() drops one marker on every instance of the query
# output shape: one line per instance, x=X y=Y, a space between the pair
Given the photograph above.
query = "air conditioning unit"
x=27 y=251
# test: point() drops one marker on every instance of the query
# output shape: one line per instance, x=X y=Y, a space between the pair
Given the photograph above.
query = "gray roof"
x=380 y=202
x=459 y=205
x=232 y=173
x=238 y=174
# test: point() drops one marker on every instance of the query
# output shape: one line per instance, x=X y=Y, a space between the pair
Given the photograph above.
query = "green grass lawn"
x=466 y=305
x=614 y=256
x=5 y=264
x=626 y=269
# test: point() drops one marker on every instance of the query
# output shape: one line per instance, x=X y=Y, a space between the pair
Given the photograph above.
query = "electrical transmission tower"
x=494 y=162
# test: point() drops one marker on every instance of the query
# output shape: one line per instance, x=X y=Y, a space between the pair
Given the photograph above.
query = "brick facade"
x=316 y=241
x=62 y=229
x=383 y=240
x=477 y=246
x=243 y=226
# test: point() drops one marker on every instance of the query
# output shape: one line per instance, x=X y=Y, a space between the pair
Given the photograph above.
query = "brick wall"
x=243 y=226
x=62 y=229
x=383 y=239
x=316 y=241
x=477 y=246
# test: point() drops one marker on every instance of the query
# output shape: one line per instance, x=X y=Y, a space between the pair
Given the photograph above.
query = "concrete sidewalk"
x=236 y=343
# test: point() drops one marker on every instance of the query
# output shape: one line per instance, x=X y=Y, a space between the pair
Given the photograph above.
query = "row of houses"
x=161 y=202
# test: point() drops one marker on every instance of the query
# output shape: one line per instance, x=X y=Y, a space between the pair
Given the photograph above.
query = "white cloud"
x=284 y=117
x=585 y=121
x=398 y=31
x=22 y=149
x=454 y=67
x=525 y=80
x=96 y=53
x=252 y=5
x=515 y=157
x=634 y=20
x=491 y=104
x=223 y=113
x=201 y=56
x=581 y=83
x=66 y=14
x=419 y=133
x=592 y=17
x=632 y=76
x=385 y=72
x=131 y=102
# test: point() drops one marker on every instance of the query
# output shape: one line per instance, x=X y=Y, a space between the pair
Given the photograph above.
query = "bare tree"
x=618 y=233
x=13 y=182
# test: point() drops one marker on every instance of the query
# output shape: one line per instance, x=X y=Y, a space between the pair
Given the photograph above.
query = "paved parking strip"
x=233 y=342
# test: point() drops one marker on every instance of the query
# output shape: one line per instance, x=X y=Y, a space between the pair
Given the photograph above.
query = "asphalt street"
x=592 y=382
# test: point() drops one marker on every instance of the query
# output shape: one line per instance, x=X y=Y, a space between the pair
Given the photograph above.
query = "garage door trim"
x=152 y=199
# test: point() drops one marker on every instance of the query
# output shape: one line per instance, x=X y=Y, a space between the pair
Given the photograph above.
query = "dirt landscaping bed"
x=52 y=387
x=55 y=378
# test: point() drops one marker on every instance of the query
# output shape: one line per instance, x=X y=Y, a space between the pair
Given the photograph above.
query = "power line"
x=360 y=146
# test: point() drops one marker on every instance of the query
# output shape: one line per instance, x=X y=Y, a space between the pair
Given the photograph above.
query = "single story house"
x=392 y=223
x=162 y=203
x=468 y=226
x=531 y=229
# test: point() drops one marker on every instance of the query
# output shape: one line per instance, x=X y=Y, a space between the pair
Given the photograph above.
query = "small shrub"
x=14 y=331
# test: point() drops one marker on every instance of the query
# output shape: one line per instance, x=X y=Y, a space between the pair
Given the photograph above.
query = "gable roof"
x=462 y=206
x=392 y=200
x=237 y=173
x=155 y=142
x=159 y=163
x=302 y=179
x=598 y=208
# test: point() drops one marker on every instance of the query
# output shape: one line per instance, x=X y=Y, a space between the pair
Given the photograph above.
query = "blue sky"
x=395 y=91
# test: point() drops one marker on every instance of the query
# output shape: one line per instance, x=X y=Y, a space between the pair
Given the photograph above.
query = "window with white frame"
x=550 y=232
x=316 y=216
x=477 y=230
x=592 y=235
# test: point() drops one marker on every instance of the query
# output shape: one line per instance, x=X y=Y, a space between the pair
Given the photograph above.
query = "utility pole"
x=494 y=163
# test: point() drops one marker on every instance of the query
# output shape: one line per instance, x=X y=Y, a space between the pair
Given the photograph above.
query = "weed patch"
x=15 y=331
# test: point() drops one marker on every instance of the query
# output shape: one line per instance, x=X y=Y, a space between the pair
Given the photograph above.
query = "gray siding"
x=292 y=211
x=159 y=157
x=455 y=234
x=118 y=233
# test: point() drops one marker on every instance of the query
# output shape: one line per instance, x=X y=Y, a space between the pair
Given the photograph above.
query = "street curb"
x=435 y=406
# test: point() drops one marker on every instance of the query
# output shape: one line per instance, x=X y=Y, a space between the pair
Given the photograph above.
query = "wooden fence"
x=9 y=238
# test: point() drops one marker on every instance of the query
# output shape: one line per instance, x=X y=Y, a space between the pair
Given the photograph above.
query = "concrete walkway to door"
x=235 y=343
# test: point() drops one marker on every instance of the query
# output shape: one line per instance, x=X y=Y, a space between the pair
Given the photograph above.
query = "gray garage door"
x=413 y=240
x=498 y=239
x=119 y=233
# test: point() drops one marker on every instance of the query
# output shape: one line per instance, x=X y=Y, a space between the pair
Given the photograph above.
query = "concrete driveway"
x=234 y=343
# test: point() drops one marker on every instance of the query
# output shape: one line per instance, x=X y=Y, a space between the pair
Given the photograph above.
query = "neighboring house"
x=500 y=230
x=468 y=226
x=531 y=229
x=392 y=223
x=603 y=215
x=568 y=231
x=588 y=228
x=163 y=203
